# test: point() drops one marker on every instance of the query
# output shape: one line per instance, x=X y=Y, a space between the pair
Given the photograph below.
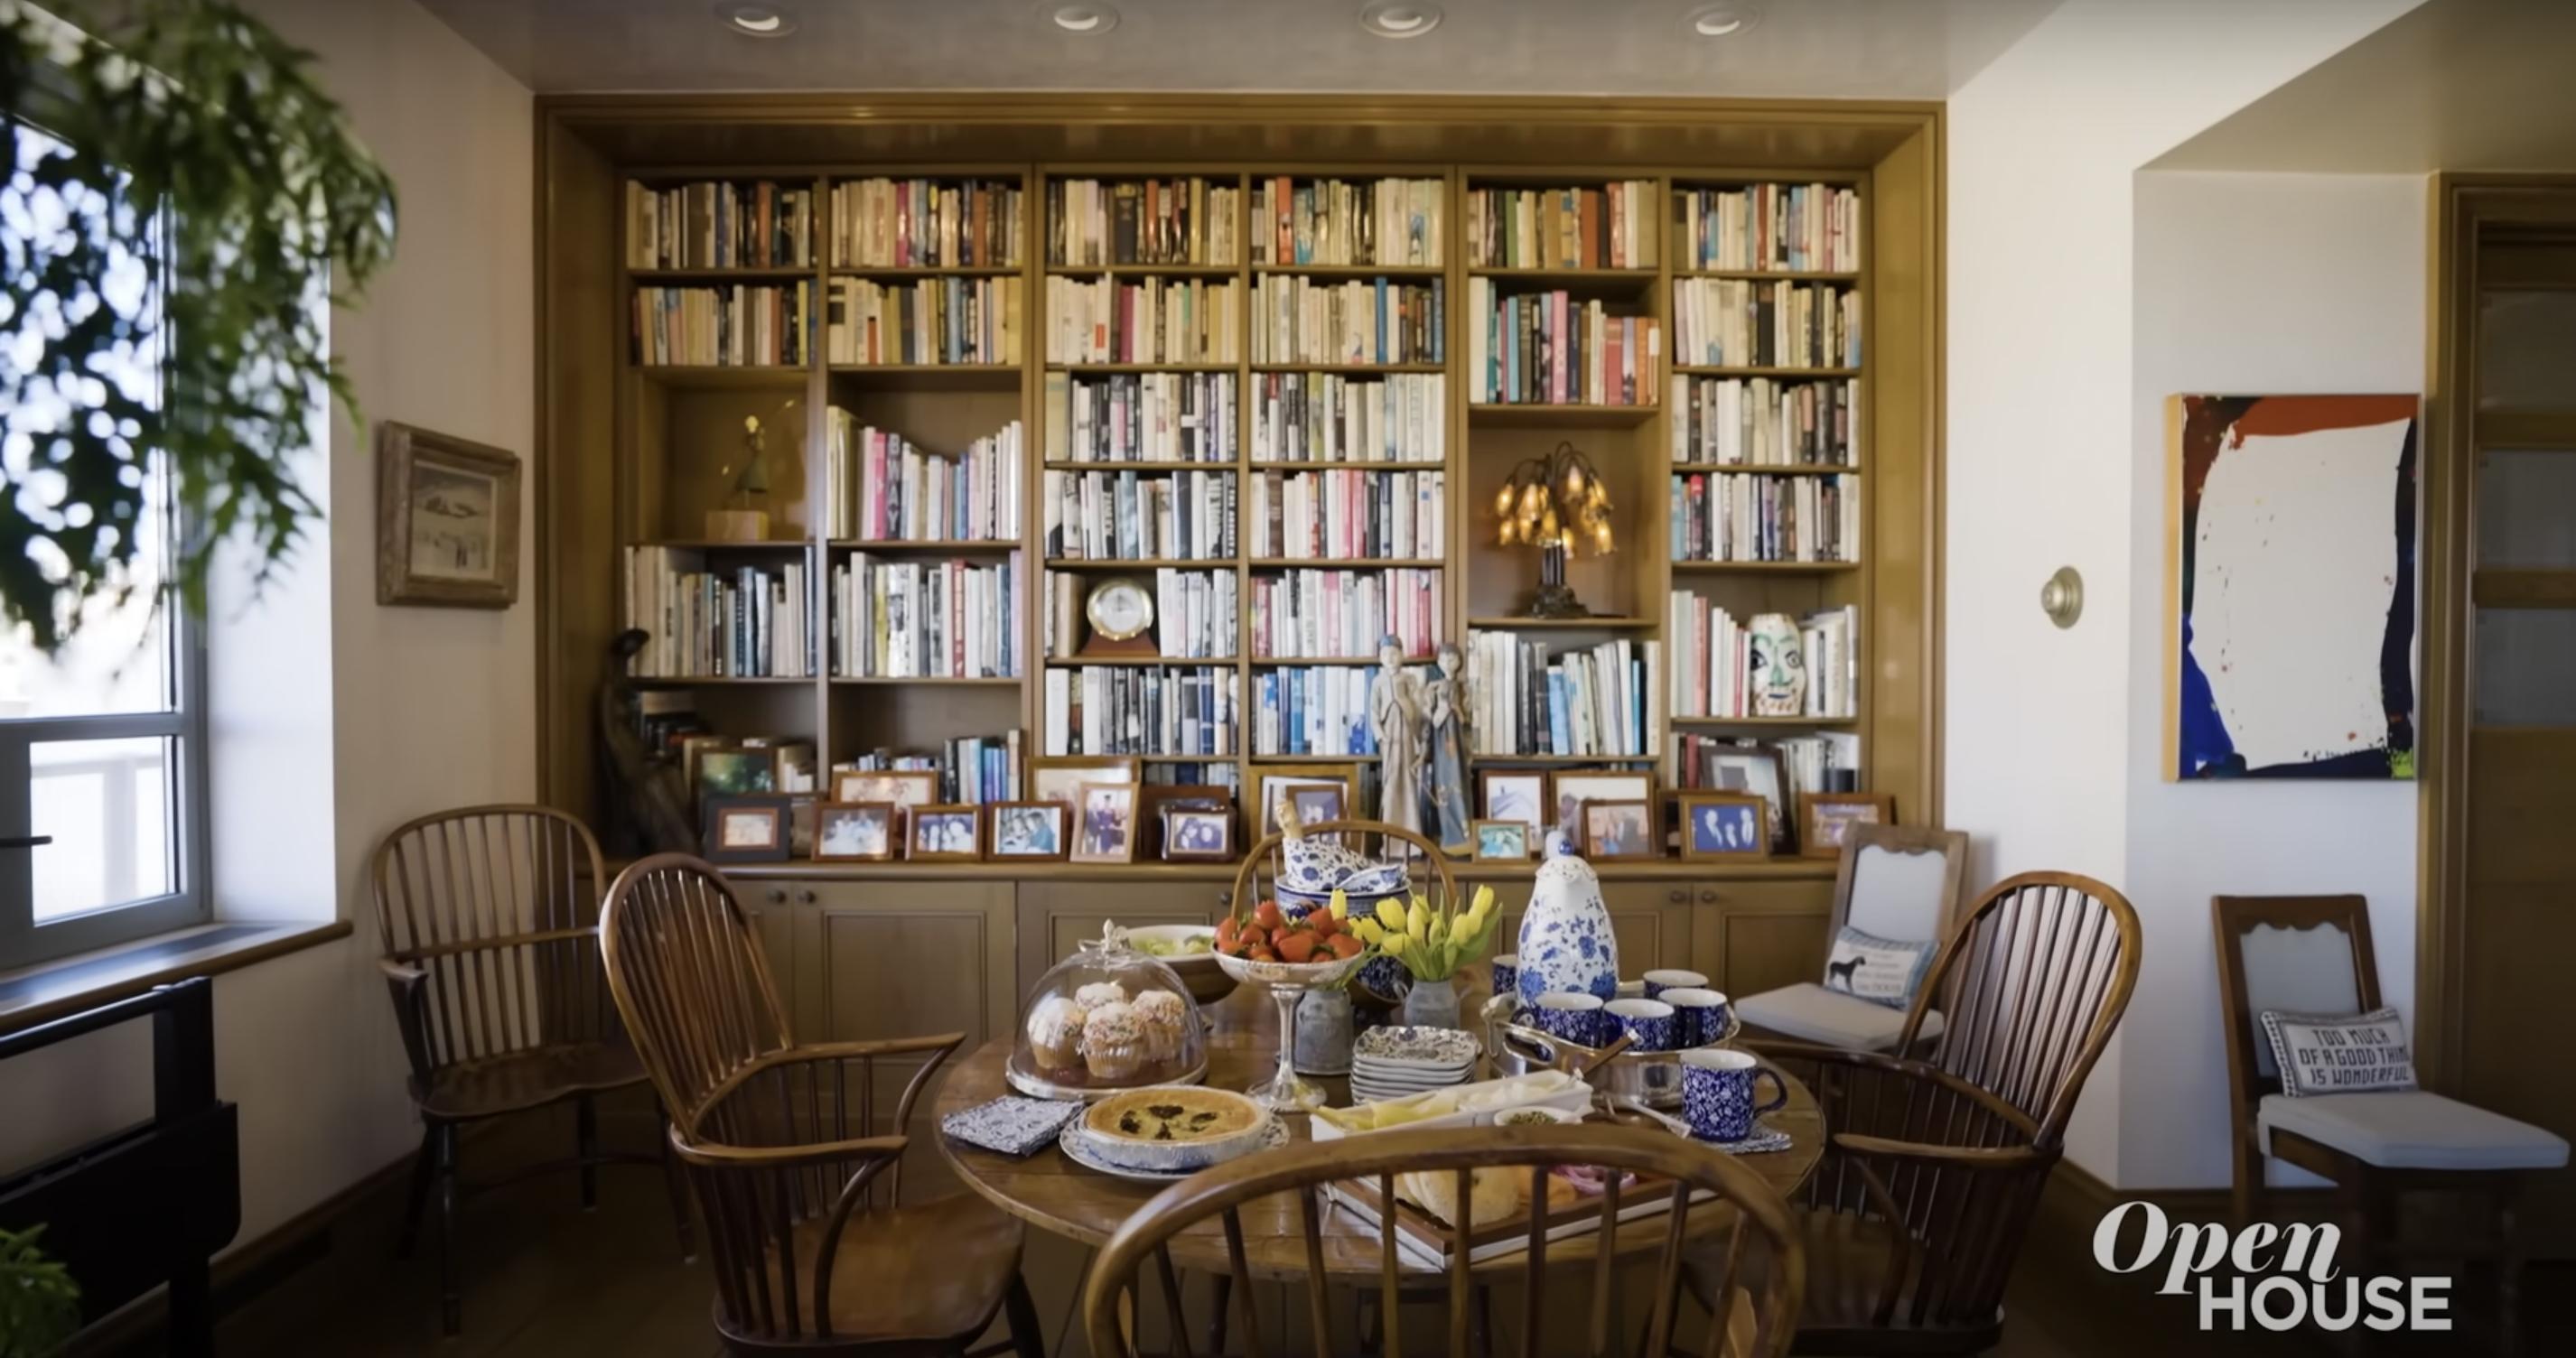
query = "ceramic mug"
x=1507 y=972
x=1657 y=982
x=1572 y=1016
x=1718 y=1093
x=1650 y=1024
x=1699 y=1016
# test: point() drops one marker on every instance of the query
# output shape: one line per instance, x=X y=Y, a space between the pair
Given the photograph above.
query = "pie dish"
x=1173 y=1128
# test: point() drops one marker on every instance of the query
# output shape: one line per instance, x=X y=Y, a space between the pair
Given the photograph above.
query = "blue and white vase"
x=1565 y=941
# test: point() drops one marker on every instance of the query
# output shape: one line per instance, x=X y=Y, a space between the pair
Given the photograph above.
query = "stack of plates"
x=1391 y=1063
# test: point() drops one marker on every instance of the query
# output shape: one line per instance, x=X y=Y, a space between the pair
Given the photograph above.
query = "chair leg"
x=451 y=1304
x=424 y=1176
x=2249 y=1180
x=1028 y=1333
x=2508 y=1274
x=1217 y=1314
x=679 y=1190
x=585 y=1131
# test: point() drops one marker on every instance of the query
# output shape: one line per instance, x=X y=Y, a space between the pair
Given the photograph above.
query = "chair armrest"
x=938 y=1046
x=1984 y=1159
x=878 y=1150
x=408 y=984
x=1901 y=1069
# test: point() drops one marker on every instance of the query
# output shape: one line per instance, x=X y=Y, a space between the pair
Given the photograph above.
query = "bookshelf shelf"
x=939 y=681
x=1148 y=467
x=716 y=681
x=1354 y=369
x=1109 y=369
x=1732 y=370
x=653 y=276
x=1762 y=721
x=1277 y=466
x=1563 y=759
x=1295 y=759
x=1764 y=469
x=1144 y=270
x=728 y=545
x=1139 y=662
x=961 y=547
x=1592 y=624
x=1532 y=415
x=1567 y=278
x=1289 y=661
x=1268 y=563
x=722 y=377
x=1010 y=371
x=1145 y=564
x=1770 y=275
x=1763 y=567
x=1360 y=272
x=925 y=271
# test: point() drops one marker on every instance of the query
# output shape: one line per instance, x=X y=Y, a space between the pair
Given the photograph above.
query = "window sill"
x=68 y=985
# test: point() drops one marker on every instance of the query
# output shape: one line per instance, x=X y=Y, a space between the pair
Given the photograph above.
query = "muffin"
x=1113 y=1042
x=1055 y=1034
x=1161 y=1013
x=1099 y=993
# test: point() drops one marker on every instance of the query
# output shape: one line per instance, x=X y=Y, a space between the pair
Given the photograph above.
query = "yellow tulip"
x=1367 y=931
x=1391 y=915
x=1439 y=932
x=1396 y=944
x=1418 y=923
x=1483 y=905
x=1341 y=904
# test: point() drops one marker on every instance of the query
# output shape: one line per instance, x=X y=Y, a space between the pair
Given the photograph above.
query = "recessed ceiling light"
x=755 y=21
x=1722 y=21
x=1398 y=18
x=1088 y=19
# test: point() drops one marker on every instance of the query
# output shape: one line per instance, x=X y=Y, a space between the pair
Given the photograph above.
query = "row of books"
x=1545 y=348
x=1802 y=228
x=1738 y=322
x=1342 y=221
x=719 y=226
x=1144 y=320
x=1824 y=761
x=1142 y=221
x=930 y=320
x=1303 y=320
x=1129 y=709
x=1599 y=701
x=730 y=326
x=1329 y=417
x=1126 y=516
x=1195 y=613
x=906 y=619
x=1766 y=422
x=737 y=622
x=1140 y=417
x=926 y=223
x=1345 y=614
x=1347 y=515
x=1313 y=710
x=1715 y=665
x=1718 y=516
x=973 y=770
x=881 y=488
x=1612 y=226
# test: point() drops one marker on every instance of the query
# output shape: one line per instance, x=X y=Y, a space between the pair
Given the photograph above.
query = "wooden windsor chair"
x=1761 y=1270
x=1915 y=1214
x=781 y=1143
x=489 y=919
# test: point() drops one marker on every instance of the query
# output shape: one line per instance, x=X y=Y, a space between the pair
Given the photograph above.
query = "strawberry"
x=1267 y=915
x=1299 y=948
x=1225 y=934
x=1262 y=954
x=1324 y=923
x=1281 y=935
x=1344 y=946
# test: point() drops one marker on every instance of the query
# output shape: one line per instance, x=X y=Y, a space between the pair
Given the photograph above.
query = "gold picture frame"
x=447 y=520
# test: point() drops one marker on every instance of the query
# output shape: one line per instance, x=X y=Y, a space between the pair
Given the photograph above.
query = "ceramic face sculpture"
x=1779 y=667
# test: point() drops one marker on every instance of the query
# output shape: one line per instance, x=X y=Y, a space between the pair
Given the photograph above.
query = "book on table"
x=1570 y=1213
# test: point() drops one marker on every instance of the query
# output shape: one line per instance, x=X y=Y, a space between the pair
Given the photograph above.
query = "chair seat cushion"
x=930 y=1271
x=492 y=1085
x=2411 y=1129
x=1811 y=1013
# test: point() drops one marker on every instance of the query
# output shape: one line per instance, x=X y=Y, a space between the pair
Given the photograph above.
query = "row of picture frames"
x=1084 y=815
x=1613 y=813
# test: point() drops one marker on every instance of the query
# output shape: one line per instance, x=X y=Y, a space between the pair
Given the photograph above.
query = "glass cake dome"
x=1105 y=1019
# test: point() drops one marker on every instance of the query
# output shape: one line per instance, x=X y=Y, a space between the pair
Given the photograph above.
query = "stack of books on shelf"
x=972 y=770
x=928 y=321
x=1721 y=516
x=1130 y=516
x=926 y=223
x=1343 y=615
x=883 y=489
x=1144 y=320
x=1125 y=709
x=1766 y=422
x=925 y=619
x=1610 y=227
x=1798 y=228
x=1713 y=661
x=1545 y=348
x=1347 y=515
x=1823 y=761
x=1603 y=701
x=1140 y=417
x=1301 y=320
x=732 y=326
x=1336 y=221
x=1328 y=417
x=1142 y=221
x=725 y=622
x=1313 y=710
x=1195 y=614
x=1741 y=323
x=719 y=226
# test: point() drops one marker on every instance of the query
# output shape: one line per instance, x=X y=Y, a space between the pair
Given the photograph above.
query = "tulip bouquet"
x=1431 y=940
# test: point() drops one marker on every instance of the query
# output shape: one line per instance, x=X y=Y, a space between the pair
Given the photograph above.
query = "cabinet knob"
x=1678 y=895
x=1708 y=896
x=777 y=895
x=805 y=896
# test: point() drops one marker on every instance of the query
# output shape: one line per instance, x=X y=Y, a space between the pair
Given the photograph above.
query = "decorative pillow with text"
x=2339 y=1053
x=1879 y=970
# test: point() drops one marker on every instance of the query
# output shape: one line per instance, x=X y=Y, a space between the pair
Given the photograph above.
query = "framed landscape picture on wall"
x=447 y=520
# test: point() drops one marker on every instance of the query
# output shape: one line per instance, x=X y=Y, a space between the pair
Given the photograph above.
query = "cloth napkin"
x=1011 y=1125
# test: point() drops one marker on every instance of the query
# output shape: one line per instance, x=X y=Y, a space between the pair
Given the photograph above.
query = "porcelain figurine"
x=1565 y=940
x=1445 y=703
x=1779 y=666
x=1395 y=718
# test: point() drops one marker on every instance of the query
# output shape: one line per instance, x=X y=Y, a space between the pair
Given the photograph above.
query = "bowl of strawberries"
x=1268 y=947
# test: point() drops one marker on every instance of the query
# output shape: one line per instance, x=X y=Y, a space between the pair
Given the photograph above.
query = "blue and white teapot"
x=1566 y=942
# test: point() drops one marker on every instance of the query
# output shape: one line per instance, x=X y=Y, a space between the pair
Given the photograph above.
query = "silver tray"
x=1651 y=1078
x=1039 y=1087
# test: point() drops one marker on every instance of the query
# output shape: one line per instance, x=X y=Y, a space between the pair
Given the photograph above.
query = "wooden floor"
x=544 y=1279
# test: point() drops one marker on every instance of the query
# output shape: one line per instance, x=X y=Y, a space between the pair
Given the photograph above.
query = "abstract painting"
x=2290 y=587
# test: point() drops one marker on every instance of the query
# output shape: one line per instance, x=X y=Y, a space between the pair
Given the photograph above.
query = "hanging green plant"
x=39 y=1302
x=180 y=190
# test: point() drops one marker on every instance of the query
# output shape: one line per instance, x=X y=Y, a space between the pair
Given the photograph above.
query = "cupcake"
x=1113 y=1042
x=1161 y=1014
x=1099 y=993
x=1055 y=1034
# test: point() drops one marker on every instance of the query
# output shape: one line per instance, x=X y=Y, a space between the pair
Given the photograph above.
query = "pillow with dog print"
x=1879 y=970
x=2339 y=1053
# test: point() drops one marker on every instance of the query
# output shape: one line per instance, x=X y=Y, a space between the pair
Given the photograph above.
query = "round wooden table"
x=1056 y=1195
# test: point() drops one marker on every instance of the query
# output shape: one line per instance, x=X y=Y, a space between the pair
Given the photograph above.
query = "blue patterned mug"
x=1699 y=1016
x=1649 y=1024
x=1507 y=972
x=1657 y=982
x=1572 y=1016
x=1718 y=1093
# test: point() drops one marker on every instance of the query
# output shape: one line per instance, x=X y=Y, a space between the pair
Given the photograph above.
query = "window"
x=102 y=745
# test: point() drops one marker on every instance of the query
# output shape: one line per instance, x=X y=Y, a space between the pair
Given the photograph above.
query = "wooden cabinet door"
x=1749 y=937
x=1056 y=915
x=876 y=959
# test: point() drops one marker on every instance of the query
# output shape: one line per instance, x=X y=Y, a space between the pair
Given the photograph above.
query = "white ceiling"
x=1852 y=49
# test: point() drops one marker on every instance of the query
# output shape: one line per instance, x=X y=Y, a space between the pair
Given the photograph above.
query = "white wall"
x=2249 y=284
x=2043 y=146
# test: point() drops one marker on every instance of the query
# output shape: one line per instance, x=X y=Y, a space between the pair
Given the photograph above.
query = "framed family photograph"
x=1757 y=769
x=1825 y=818
x=945 y=834
x=1320 y=792
x=746 y=830
x=854 y=832
x=724 y=770
x=1104 y=828
x=1061 y=779
x=1155 y=800
x=1620 y=830
x=1197 y=836
x=1502 y=841
x=1570 y=790
x=447 y=520
x=1029 y=829
x=1724 y=825
x=906 y=788
x=1514 y=795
